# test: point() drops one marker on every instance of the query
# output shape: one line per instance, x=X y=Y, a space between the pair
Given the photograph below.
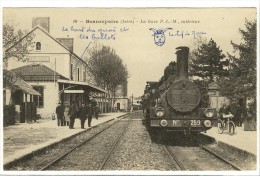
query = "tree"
x=16 y=44
x=107 y=68
x=120 y=74
x=241 y=82
x=207 y=61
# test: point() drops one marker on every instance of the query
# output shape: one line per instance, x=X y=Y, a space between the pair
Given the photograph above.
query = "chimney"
x=182 y=61
x=67 y=42
x=44 y=22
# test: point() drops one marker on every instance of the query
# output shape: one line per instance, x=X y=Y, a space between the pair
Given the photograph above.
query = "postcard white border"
x=130 y=4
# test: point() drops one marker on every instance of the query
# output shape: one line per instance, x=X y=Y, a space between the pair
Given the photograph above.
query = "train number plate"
x=195 y=122
x=175 y=122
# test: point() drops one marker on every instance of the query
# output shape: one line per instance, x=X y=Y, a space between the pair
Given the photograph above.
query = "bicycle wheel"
x=232 y=127
x=220 y=127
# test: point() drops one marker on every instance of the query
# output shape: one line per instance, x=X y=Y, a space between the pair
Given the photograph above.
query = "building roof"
x=43 y=73
x=37 y=72
x=38 y=27
x=18 y=83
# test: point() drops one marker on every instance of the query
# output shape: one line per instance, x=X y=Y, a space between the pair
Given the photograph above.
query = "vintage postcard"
x=115 y=90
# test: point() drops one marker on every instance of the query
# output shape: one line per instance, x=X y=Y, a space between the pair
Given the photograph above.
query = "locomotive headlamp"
x=209 y=112
x=159 y=112
x=163 y=123
x=159 y=100
x=207 y=123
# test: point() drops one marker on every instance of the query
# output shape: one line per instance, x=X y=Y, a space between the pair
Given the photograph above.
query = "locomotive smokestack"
x=182 y=61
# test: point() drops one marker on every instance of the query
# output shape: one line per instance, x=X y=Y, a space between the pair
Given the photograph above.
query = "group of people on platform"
x=66 y=114
x=236 y=112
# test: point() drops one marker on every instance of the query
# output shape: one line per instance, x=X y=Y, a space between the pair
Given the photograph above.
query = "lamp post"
x=132 y=108
x=132 y=99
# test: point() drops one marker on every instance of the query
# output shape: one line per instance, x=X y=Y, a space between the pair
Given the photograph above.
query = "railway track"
x=177 y=164
x=114 y=145
x=63 y=156
x=181 y=163
x=216 y=155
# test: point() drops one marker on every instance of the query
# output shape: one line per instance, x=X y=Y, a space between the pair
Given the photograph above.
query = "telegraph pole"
x=54 y=72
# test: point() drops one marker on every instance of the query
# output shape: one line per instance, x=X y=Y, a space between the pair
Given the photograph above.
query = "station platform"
x=245 y=141
x=23 y=139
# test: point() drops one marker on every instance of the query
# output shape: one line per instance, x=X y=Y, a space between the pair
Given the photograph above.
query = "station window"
x=78 y=74
x=84 y=75
x=71 y=71
x=38 y=46
x=39 y=100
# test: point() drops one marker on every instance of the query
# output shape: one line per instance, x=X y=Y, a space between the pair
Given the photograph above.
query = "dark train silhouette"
x=176 y=103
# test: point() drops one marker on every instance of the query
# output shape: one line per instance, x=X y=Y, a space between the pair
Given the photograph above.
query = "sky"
x=130 y=35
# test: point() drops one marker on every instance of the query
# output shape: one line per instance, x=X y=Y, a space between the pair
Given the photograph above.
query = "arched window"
x=38 y=46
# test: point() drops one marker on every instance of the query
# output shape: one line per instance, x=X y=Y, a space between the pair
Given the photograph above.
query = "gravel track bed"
x=51 y=153
x=136 y=151
x=91 y=155
x=137 y=114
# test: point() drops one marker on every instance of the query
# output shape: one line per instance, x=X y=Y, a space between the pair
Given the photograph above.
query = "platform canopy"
x=83 y=84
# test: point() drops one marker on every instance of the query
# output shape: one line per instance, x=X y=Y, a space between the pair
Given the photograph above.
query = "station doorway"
x=118 y=106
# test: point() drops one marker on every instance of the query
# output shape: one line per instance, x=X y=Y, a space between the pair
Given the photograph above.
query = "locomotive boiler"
x=175 y=102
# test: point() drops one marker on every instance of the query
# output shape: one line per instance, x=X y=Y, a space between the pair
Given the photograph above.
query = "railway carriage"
x=175 y=102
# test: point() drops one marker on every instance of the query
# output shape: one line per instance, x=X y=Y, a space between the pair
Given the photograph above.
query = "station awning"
x=18 y=83
x=28 y=90
x=95 y=88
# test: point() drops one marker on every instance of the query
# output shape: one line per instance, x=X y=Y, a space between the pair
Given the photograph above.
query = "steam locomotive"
x=175 y=102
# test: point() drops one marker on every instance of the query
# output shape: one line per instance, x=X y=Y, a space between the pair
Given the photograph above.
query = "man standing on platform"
x=96 y=111
x=73 y=113
x=236 y=110
x=60 y=114
x=90 y=113
x=83 y=115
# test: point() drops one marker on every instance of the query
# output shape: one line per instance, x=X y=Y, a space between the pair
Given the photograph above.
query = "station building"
x=55 y=71
x=121 y=101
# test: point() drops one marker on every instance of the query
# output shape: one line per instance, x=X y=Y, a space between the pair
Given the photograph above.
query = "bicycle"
x=228 y=125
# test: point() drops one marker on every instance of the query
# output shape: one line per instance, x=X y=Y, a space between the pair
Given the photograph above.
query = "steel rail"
x=217 y=155
x=114 y=145
x=177 y=164
x=220 y=157
x=79 y=145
